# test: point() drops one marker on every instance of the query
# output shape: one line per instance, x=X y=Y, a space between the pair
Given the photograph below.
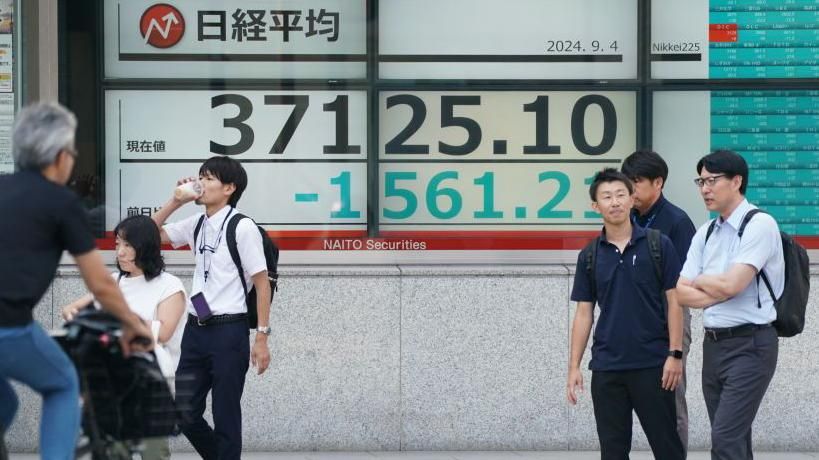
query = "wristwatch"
x=266 y=330
x=677 y=354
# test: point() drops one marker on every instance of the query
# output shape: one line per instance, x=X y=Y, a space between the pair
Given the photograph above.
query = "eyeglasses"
x=709 y=181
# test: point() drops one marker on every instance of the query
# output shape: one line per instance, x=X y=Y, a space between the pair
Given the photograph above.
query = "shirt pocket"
x=643 y=271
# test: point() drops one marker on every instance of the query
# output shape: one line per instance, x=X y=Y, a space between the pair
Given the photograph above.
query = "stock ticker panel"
x=764 y=39
x=777 y=132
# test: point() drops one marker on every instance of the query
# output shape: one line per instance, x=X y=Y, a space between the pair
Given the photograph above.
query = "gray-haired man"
x=41 y=219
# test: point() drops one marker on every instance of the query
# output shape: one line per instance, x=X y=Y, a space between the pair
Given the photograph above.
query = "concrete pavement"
x=454 y=455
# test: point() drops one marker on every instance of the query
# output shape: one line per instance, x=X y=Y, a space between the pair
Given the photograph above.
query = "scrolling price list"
x=777 y=132
x=770 y=39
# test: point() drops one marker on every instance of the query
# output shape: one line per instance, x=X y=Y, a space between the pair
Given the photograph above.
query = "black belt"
x=217 y=319
x=743 y=330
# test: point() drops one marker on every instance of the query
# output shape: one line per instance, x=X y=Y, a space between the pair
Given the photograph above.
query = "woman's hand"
x=70 y=311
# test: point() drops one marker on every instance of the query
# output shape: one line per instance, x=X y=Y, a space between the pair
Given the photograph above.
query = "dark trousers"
x=214 y=358
x=616 y=394
x=735 y=375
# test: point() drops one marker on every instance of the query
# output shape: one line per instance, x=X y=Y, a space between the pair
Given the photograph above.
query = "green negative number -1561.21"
x=444 y=201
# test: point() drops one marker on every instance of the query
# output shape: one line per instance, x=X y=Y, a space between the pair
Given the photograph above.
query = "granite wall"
x=444 y=358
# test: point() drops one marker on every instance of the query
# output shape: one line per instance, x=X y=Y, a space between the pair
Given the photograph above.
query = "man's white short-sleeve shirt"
x=222 y=289
x=760 y=247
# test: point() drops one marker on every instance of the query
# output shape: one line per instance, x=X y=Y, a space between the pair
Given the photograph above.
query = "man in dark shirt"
x=41 y=219
x=648 y=173
x=636 y=355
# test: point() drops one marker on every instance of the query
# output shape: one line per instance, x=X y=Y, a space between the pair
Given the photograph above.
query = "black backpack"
x=271 y=257
x=790 y=307
x=654 y=248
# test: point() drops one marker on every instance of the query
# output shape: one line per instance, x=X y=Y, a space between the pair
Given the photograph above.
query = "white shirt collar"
x=219 y=216
x=735 y=219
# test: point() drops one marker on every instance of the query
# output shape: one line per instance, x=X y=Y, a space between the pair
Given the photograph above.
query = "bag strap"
x=745 y=221
x=655 y=248
x=761 y=273
x=234 y=249
x=591 y=265
x=196 y=231
x=767 y=284
x=710 y=230
x=748 y=216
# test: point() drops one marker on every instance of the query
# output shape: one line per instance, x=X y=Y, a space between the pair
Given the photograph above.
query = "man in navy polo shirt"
x=648 y=173
x=636 y=354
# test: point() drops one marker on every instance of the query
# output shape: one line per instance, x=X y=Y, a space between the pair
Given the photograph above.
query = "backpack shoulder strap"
x=748 y=216
x=767 y=284
x=196 y=231
x=591 y=263
x=710 y=229
x=233 y=248
x=655 y=248
x=761 y=273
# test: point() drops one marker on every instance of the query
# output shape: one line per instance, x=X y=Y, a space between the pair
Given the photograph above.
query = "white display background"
x=683 y=25
x=514 y=27
x=682 y=135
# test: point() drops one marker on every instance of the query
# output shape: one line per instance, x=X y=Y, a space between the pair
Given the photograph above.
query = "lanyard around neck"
x=650 y=220
x=204 y=248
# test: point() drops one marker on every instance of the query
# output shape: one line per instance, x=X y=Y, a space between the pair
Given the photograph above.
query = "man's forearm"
x=263 y=298
x=102 y=286
x=675 y=321
x=692 y=297
x=165 y=211
x=581 y=328
x=715 y=286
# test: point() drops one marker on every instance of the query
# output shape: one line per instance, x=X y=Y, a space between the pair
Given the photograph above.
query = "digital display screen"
x=735 y=39
x=454 y=124
x=777 y=132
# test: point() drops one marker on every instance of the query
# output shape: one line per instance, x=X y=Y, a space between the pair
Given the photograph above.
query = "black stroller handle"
x=125 y=398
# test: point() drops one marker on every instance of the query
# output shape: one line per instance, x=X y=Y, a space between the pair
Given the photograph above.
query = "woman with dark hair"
x=154 y=295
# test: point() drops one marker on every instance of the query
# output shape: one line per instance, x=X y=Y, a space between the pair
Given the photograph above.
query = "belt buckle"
x=713 y=334
x=199 y=322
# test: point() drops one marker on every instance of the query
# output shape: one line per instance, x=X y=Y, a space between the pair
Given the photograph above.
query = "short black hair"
x=726 y=162
x=609 y=175
x=143 y=235
x=228 y=171
x=645 y=163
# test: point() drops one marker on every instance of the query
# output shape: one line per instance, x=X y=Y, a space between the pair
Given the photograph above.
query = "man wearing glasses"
x=648 y=173
x=720 y=275
x=41 y=219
